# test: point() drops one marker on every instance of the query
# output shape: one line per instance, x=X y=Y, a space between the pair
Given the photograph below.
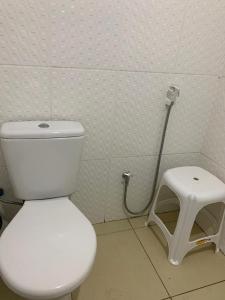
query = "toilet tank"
x=42 y=158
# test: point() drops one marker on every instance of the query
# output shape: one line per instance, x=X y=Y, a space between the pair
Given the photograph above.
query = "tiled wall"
x=212 y=155
x=108 y=64
x=213 y=149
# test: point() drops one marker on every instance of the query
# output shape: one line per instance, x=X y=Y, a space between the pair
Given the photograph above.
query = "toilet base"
x=76 y=294
x=69 y=296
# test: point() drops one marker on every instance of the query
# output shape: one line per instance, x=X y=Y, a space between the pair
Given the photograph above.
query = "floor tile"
x=122 y=271
x=196 y=232
x=113 y=226
x=213 y=292
x=169 y=216
x=199 y=268
x=138 y=222
x=7 y=294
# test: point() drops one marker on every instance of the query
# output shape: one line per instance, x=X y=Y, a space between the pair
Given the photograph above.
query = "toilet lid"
x=47 y=250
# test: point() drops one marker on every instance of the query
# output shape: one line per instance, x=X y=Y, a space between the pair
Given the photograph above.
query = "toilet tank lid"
x=41 y=129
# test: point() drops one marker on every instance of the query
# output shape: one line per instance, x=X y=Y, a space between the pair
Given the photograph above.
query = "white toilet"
x=48 y=249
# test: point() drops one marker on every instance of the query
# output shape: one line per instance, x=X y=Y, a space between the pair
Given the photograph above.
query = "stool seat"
x=195 y=182
x=195 y=188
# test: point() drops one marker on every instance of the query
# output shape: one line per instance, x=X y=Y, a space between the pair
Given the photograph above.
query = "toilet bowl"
x=49 y=247
x=47 y=250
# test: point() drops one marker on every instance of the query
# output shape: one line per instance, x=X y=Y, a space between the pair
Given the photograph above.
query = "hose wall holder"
x=172 y=94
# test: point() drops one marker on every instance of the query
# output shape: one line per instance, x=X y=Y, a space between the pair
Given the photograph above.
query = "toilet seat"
x=47 y=250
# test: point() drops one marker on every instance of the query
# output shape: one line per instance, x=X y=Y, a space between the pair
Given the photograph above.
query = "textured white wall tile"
x=86 y=96
x=140 y=113
x=24 y=93
x=126 y=34
x=140 y=185
x=220 y=104
x=178 y=160
x=213 y=148
x=92 y=189
x=25 y=32
x=123 y=112
x=214 y=142
x=191 y=112
x=217 y=170
x=202 y=44
x=137 y=129
x=212 y=166
x=142 y=87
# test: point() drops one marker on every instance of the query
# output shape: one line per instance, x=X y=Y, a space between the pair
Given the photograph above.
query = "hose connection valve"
x=126 y=177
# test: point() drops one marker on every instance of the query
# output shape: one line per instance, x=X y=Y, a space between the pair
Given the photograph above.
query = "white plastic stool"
x=195 y=188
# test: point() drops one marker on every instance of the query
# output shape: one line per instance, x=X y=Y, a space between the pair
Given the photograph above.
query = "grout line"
x=142 y=155
x=159 y=275
x=134 y=218
x=155 y=154
x=218 y=282
x=110 y=221
x=133 y=229
x=132 y=71
x=152 y=263
x=151 y=225
x=200 y=288
x=112 y=70
x=113 y=232
x=130 y=223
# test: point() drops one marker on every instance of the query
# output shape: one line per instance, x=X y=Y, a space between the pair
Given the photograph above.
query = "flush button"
x=43 y=125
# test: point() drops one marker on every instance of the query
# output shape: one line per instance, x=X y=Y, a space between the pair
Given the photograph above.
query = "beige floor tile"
x=213 y=292
x=170 y=216
x=195 y=234
x=113 y=226
x=139 y=222
x=199 y=268
x=7 y=294
x=122 y=271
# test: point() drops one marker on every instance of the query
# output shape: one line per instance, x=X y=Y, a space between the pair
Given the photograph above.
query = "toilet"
x=48 y=249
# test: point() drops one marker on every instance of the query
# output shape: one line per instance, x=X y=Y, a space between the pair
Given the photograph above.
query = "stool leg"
x=152 y=210
x=217 y=243
x=179 y=245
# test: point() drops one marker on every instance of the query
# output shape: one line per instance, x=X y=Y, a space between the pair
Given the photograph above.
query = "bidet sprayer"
x=172 y=94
